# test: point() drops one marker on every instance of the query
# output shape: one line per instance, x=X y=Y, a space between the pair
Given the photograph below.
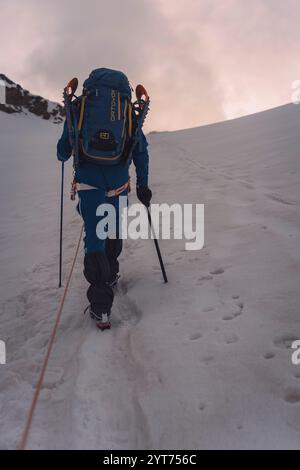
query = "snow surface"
x=202 y=362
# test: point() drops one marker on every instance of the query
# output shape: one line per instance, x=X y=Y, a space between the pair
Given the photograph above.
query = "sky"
x=201 y=61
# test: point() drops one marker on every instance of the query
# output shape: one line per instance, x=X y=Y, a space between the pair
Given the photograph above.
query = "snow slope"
x=203 y=362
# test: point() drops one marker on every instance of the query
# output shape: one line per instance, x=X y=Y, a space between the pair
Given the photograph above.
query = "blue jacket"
x=105 y=176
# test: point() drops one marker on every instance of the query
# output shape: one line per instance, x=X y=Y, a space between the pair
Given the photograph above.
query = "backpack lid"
x=109 y=78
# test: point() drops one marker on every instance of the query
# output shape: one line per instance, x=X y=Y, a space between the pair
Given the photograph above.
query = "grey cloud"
x=199 y=60
x=133 y=35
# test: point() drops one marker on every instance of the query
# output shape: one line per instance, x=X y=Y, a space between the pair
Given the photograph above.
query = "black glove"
x=144 y=194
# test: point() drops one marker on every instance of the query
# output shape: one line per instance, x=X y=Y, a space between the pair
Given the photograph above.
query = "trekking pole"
x=61 y=220
x=157 y=248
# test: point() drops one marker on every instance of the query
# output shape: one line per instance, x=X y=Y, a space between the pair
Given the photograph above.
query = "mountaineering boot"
x=102 y=319
x=97 y=273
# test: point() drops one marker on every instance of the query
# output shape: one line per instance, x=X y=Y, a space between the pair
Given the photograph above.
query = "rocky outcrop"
x=18 y=100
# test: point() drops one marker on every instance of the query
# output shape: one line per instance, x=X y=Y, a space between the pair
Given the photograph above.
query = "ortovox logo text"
x=113 y=106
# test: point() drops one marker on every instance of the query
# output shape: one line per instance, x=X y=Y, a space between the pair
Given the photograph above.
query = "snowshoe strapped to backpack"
x=105 y=117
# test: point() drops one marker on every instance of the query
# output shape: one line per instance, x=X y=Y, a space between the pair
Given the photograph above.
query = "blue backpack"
x=105 y=117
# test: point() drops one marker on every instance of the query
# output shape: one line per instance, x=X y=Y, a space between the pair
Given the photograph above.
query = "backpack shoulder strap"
x=82 y=106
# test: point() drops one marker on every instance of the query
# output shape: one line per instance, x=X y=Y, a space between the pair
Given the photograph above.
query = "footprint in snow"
x=208 y=309
x=247 y=185
x=231 y=338
x=195 y=336
x=238 y=310
x=205 y=278
x=232 y=316
x=285 y=341
x=125 y=310
x=269 y=355
x=292 y=396
x=279 y=198
x=194 y=260
x=217 y=271
x=208 y=360
x=201 y=406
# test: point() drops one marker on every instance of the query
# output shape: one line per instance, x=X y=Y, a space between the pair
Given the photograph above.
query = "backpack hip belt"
x=118 y=191
x=75 y=187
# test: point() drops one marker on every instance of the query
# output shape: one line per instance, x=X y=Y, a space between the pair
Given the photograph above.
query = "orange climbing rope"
x=25 y=434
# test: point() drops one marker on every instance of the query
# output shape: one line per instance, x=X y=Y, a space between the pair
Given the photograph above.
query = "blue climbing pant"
x=101 y=255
